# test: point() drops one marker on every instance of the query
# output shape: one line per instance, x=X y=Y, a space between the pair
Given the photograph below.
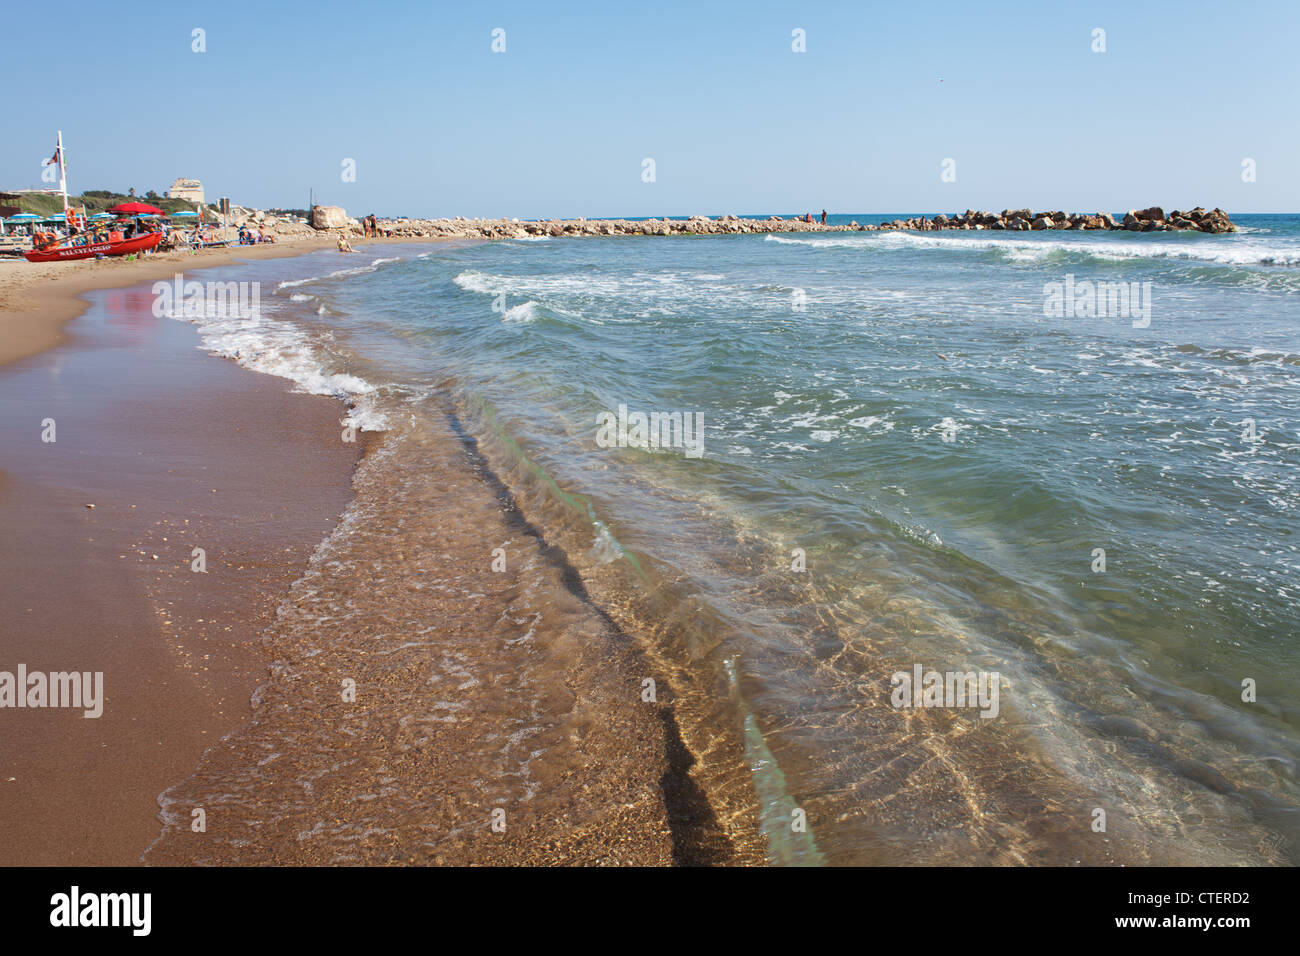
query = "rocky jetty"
x=1012 y=220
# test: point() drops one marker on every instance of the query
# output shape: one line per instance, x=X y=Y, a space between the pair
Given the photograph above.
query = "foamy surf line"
x=1236 y=254
x=271 y=346
x=340 y=273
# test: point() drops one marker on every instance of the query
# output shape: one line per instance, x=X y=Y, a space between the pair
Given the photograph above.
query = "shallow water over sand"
x=905 y=463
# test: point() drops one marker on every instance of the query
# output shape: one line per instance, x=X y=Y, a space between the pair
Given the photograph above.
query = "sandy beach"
x=110 y=588
x=176 y=450
x=445 y=439
x=37 y=299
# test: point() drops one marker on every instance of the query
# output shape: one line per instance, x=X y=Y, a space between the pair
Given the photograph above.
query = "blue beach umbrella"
x=22 y=219
x=184 y=215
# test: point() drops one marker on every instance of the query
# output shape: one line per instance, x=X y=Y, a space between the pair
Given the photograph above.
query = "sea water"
x=909 y=463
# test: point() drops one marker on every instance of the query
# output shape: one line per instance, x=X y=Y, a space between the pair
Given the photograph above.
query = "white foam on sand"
x=263 y=344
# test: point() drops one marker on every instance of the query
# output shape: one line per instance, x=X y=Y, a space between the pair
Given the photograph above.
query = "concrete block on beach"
x=329 y=217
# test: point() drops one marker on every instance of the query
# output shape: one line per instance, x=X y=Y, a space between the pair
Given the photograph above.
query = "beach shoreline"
x=177 y=449
x=99 y=561
x=38 y=299
x=395 y=640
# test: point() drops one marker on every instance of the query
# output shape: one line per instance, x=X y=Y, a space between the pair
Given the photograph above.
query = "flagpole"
x=63 y=175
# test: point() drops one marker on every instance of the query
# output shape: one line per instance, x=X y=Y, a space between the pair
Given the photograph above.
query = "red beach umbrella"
x=135 y=208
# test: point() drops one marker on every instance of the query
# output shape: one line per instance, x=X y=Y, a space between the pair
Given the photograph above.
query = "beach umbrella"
x=23 y=219
x=136 y=208
x=184 y=215
x=102 y=215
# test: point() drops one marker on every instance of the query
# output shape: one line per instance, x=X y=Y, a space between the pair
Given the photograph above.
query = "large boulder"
x=329 y=217
x=1216 y=220
x=1150 y=214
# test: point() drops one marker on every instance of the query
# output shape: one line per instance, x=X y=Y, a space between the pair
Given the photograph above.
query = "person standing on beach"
x=823 y=217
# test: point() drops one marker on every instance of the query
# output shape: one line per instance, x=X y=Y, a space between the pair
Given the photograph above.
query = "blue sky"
x=559 y=124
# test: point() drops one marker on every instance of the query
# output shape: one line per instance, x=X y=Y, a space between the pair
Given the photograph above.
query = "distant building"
x=190 y=190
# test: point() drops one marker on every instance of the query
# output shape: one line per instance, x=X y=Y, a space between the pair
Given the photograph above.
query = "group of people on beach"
x=248 y=236
x=80 y=232
x=807 y=217
x=370 y=228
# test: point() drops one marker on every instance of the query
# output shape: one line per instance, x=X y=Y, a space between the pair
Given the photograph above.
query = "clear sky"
x=735 y=121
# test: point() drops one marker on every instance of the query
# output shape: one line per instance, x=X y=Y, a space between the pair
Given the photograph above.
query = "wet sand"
x=37 y=299
x=205 y=672
x=176 y=450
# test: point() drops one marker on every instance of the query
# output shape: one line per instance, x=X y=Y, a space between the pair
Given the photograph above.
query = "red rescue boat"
x=121 y=247
x=49 y=250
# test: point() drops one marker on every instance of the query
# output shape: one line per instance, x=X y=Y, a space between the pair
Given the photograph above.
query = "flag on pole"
x=54 y=160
